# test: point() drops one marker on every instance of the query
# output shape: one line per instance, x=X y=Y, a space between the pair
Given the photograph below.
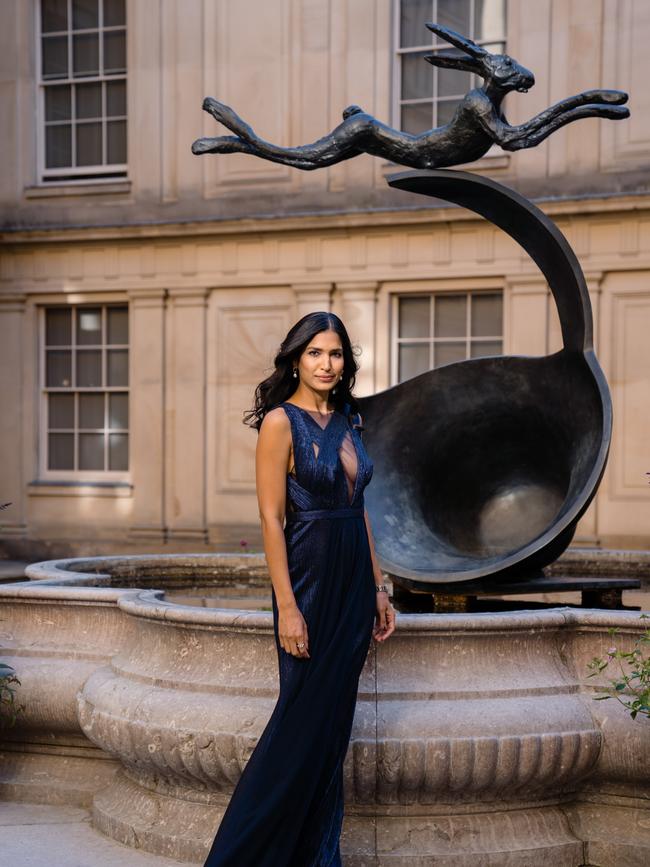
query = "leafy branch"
x=9 y=710
x=630 y=684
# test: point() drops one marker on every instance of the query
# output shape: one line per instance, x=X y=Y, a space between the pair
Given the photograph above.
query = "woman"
x=328 y=601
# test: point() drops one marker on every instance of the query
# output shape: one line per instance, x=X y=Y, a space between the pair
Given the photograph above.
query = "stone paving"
x=40 y=835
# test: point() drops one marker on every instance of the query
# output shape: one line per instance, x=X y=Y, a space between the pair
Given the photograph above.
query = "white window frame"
x=44 y=473
x=109 y=172
x=395 y=339
x=397 y=54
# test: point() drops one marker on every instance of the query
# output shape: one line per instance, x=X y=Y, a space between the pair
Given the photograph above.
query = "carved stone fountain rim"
x=59 y=580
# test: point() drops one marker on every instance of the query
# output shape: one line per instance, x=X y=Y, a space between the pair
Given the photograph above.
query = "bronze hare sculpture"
x=478 y=122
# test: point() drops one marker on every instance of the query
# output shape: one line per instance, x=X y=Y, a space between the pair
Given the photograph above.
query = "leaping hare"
x=477 y=123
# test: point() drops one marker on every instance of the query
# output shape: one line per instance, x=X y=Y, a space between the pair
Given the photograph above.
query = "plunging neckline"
x=315 y=457
x=309 y=413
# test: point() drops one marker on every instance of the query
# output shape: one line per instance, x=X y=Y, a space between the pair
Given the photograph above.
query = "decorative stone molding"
x=475 y=735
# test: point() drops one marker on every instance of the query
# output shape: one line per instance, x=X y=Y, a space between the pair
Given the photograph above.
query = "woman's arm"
x=271 y=461
x=385 y=621
x=271 y=458
x=376 y=570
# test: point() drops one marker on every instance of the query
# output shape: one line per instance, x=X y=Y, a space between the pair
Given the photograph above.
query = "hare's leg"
x=589 y=97
x=526 y=138
x=344 y=142
x=223 y=144
x=229 y=118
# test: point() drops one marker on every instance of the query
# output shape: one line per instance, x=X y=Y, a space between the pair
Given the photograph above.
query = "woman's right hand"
x=292 y=631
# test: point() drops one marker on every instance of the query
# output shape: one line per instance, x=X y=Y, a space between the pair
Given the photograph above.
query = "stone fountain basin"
x=476 y=738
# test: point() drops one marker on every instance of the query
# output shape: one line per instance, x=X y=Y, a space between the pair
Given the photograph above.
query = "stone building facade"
x=144 y=291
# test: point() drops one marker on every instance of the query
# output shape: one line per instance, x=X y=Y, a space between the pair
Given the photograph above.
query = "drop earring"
x=295 y=373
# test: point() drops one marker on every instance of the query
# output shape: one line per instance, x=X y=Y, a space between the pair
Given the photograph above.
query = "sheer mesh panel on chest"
x=346 y=451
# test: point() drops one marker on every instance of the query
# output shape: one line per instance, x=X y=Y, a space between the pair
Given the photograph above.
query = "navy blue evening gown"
x=287 y=807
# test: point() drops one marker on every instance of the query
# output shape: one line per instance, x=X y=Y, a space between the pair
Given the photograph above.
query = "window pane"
x=413 y=360
x=417 y=77
x=487 y=315
x=85 y=54
x=448 y=353
x=91 y=410
x=60 y=451
x=58 y=327
x=89 y=100
x=455 y=15
x=118 y=410
x=414 y=317
x=85 y=13
x=58 y=368
x=115 y=51
x=118 y=451
x=490 y=19
x=58 y=146
x=450 y=316
x=60 y=411
x=118 y=367
x=54 y=15
x=89 y=326
x=413 y=15
x=116 y=141
x=118 y=324
x=89 y=368
x=417 y=118
x=57 y=102
x=486 y=347
x=452 y=82
x=116 y=98
x=114 y=13
x=89 y=144
x=55 y=57
x=91 y=451
x=446 y=110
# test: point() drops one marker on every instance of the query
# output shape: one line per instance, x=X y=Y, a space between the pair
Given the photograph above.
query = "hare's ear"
x=456 y=39
x=454 y=61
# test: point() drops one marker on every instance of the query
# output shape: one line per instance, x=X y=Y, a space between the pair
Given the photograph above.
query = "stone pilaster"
x=185 y=414
x=14 y=444
x=358 y=303
x=146 y=423
x=311 y=297
x=526 y=305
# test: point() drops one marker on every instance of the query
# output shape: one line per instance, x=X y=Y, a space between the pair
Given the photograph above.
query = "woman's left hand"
x=385 y=624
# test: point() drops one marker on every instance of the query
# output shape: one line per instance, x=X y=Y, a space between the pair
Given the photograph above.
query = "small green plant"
x=9 y=710
x=631 y=684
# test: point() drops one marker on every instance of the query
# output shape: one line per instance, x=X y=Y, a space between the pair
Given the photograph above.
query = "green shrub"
x=631 y=682
x=9 y=710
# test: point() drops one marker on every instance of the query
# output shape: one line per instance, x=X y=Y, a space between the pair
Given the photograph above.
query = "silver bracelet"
x=381 y=588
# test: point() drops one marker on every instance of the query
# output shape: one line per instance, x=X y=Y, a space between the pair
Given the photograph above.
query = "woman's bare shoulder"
x=276 y=422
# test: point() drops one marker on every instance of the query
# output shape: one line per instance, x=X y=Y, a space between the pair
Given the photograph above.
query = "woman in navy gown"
x=328 y=601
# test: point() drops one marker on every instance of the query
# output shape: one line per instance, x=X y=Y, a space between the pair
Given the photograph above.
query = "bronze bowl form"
x=482 y=468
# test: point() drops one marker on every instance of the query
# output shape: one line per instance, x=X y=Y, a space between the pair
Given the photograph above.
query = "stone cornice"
x=377 y=218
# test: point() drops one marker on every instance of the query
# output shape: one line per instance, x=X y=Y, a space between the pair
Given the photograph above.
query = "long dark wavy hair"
x=281 y=384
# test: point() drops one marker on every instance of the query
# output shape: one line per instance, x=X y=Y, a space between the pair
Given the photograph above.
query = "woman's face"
x=321 y=363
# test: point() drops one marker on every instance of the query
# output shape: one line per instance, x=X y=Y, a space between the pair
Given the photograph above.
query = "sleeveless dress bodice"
x=331 y=465
x=287 y=807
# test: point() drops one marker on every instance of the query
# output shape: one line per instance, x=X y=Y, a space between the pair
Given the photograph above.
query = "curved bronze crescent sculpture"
x=482 y=467
x=485 y=466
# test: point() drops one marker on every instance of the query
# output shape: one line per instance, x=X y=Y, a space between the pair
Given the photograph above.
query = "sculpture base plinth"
x=596 y=592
